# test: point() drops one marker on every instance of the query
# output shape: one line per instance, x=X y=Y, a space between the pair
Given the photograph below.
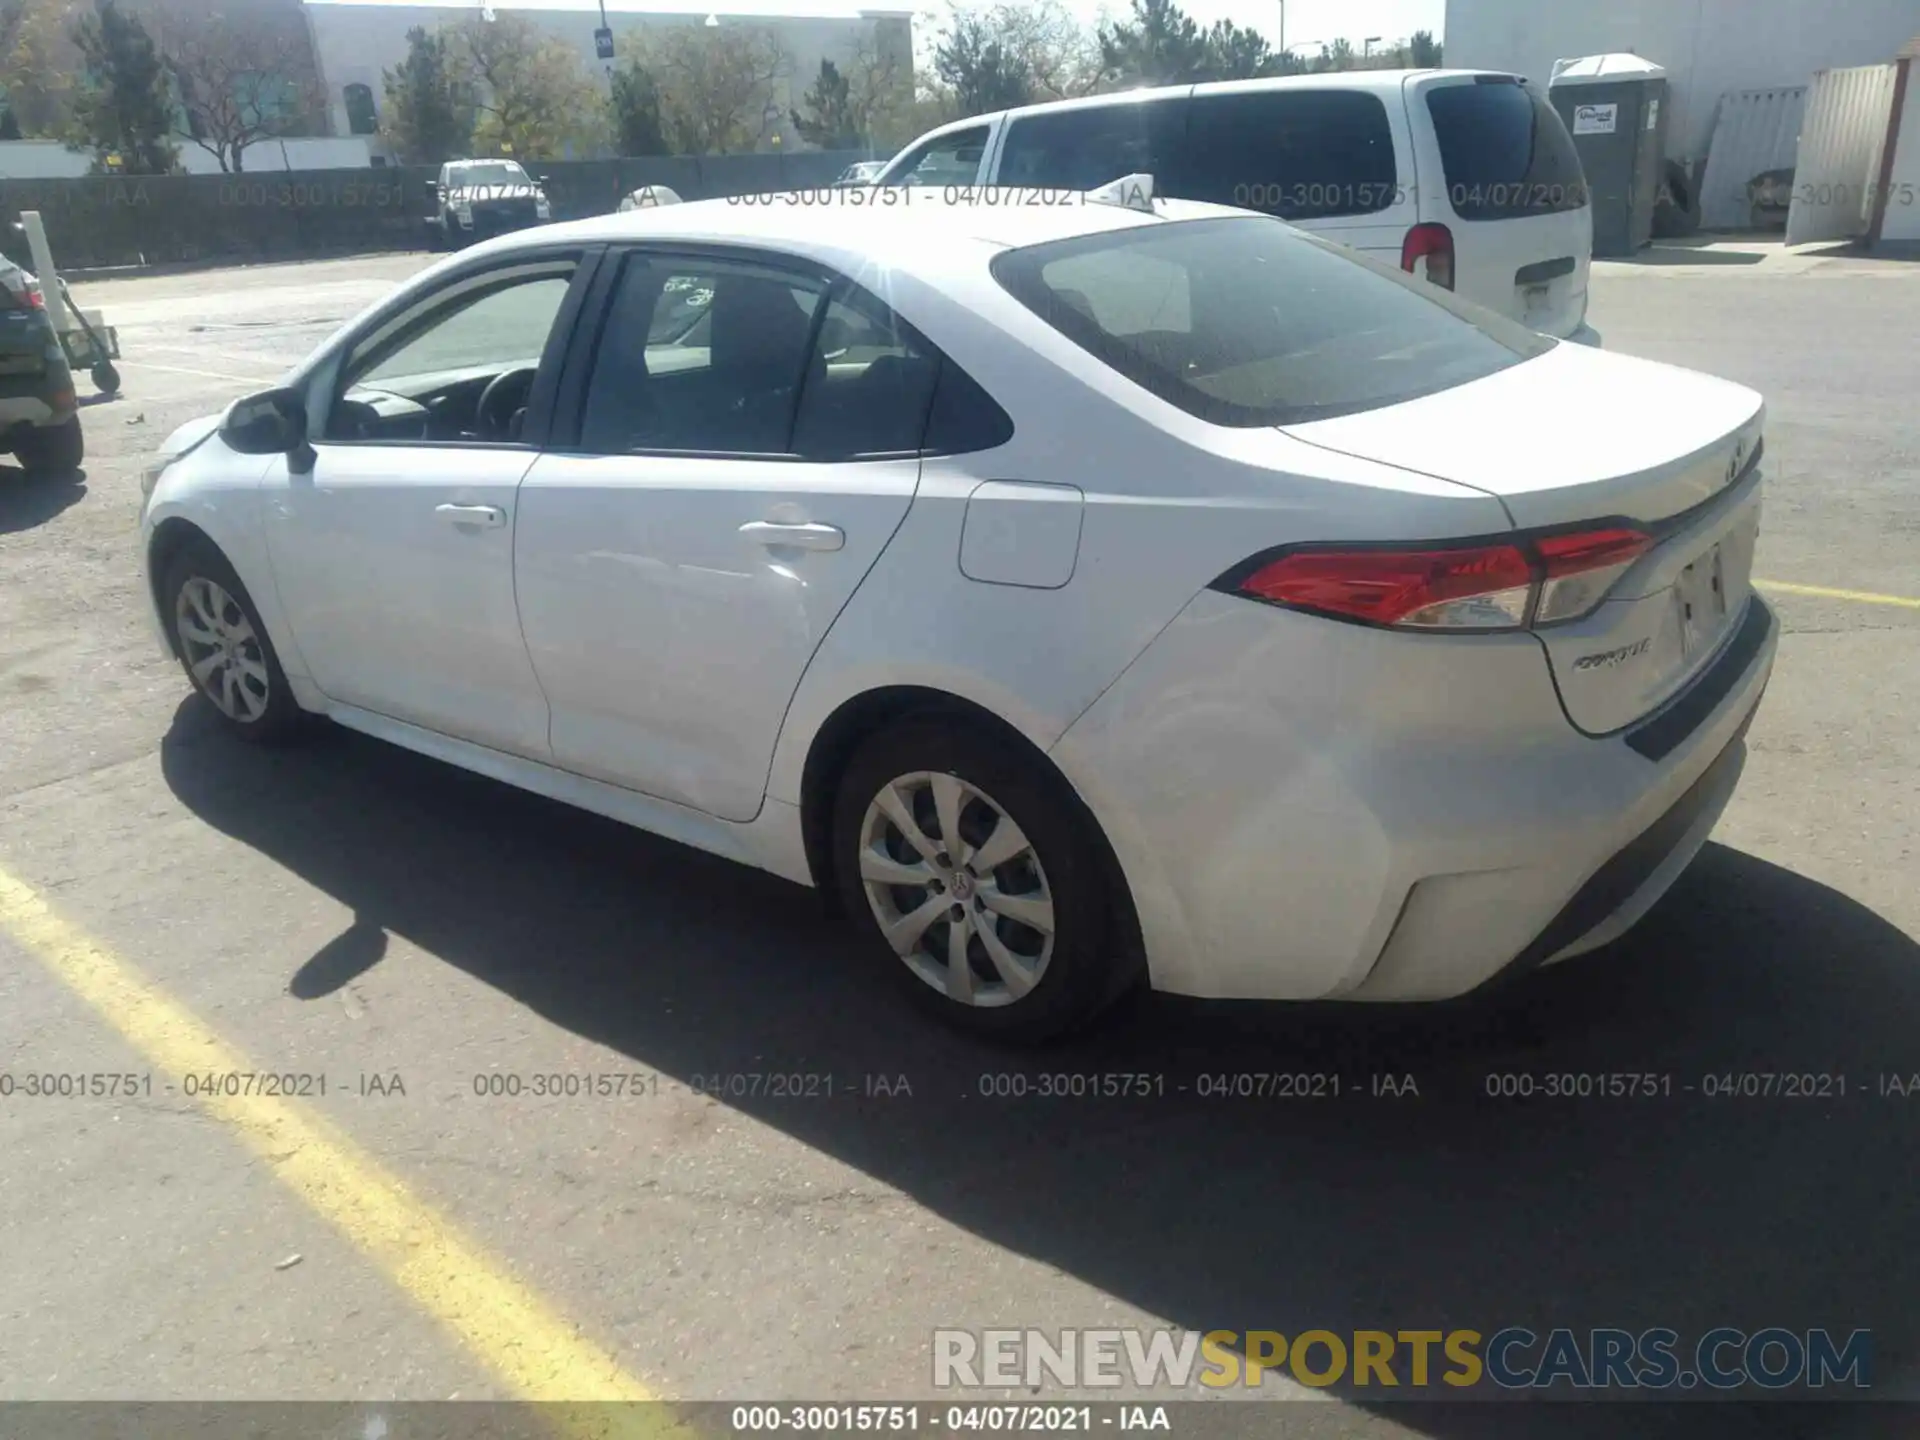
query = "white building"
x=1709 y=47
x=356 y=41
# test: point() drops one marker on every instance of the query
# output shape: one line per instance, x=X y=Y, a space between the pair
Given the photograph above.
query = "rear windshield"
x=1506 y=152
x=1246 y=322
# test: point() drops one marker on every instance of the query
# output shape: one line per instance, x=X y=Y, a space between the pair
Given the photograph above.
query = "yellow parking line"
x=1862 y=597
x=537 y=1353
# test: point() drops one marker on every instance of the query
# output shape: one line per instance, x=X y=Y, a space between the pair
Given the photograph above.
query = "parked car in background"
x=39 y=412
x=861 y=172
x=478 y=199
x=1122 y=591
x=1465 y=178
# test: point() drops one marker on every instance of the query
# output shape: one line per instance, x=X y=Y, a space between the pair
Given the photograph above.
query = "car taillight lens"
x=27 y=297
x=1428 y=252
x=1537 y=580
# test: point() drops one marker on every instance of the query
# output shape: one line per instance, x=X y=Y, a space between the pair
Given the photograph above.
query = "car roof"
x=912 y=229
x=1374 y=81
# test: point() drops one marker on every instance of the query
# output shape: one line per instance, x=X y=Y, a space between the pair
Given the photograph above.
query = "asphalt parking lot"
x=415 y=935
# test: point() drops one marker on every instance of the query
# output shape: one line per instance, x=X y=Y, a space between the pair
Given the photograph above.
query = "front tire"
x=978 y=879
x=52 y=449
x=224 y=648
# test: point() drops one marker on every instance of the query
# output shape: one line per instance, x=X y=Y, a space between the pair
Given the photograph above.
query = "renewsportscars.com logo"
x=1513 y=1358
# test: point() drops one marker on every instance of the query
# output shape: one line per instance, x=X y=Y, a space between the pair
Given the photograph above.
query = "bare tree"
x=1061 y=55
x=240 y=82
x=531 y=95
x=718 y=85
x=880 y=92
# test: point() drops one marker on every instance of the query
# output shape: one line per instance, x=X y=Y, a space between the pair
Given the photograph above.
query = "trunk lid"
x=1579 y=436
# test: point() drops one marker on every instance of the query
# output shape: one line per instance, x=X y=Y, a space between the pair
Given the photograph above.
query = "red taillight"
x=27 y=297
x=1403 y=587
x=1502 y=586
x=1428 y=252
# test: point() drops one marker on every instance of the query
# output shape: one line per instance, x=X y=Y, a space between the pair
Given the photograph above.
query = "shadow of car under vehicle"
x=30 y=500
x=1450 y=1208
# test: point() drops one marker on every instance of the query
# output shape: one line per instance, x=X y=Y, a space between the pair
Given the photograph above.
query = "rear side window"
x=1084 y=149
x=1243 y=322
x=868 y=389
x=1505 y=150
x=1299 y=154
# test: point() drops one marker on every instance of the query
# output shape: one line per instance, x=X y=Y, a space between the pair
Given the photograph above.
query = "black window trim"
x=568 y=411
x=323 y=383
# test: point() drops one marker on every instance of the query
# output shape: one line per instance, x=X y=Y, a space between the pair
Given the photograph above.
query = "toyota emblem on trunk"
x=1733 y=465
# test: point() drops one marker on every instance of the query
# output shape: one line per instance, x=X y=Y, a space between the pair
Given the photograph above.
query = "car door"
x=393 y=550
x=743 y=444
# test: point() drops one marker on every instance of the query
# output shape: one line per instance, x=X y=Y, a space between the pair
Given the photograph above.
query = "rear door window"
x=1505 y=150
x=1305 y=154
x=1244 y=322
x=1083 y=149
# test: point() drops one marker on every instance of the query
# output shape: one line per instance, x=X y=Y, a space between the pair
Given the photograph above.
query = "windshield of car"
x=1247 y=322
x=490 y=172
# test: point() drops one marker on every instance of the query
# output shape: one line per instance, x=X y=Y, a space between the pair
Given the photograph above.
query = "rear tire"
x=224 y=648
x=1027 y=912
x=52 y=449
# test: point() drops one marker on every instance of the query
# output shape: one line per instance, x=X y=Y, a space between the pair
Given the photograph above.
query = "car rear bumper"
x=1305 y=809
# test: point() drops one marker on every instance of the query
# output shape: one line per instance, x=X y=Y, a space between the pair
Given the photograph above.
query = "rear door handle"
x=485 y=517
x=801 y=537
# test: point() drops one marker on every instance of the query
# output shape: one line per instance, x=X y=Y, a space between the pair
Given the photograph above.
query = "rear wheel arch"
x=864 y=715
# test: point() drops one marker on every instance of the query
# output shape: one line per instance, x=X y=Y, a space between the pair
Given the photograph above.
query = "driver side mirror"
x=273 y=422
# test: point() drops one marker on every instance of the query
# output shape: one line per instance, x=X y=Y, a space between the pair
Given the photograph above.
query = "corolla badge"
x=1739 y=459
x=1607 y=659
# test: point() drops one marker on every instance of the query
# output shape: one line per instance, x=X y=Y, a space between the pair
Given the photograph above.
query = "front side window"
x=950 y=159
x=1246 y=322
x=1091 y=146
x=459 y=366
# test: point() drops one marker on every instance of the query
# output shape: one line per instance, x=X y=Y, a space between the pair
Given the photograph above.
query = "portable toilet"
x=1615 y=107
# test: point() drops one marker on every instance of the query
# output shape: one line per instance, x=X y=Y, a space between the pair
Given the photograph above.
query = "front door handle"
x=485 y=517
x=801 y=537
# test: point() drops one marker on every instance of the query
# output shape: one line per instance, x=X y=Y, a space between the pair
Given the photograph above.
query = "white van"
x=1467 y=178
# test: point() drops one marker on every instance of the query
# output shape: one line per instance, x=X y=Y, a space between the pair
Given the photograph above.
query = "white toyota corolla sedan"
x=1085 y=589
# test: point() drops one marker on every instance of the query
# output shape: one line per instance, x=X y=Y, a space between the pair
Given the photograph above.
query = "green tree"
x=831 y=121
x=1235 y=52
x=635 y=103
x=1340 y=55
x=981 y=70
x=717 y=85
x=1160 y=45
x=122 y=107
x=532 y=98
x=429 y=111
x=1424 y=51
x=36 y=80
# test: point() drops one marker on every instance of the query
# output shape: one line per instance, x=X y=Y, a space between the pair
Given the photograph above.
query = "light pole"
x=1283 y=27
x=1369 y=43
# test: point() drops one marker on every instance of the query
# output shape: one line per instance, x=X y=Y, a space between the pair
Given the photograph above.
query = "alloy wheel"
x=957 y=888
x=222 y=651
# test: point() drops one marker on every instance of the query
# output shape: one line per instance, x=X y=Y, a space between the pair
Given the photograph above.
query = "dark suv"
x=39 y=413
